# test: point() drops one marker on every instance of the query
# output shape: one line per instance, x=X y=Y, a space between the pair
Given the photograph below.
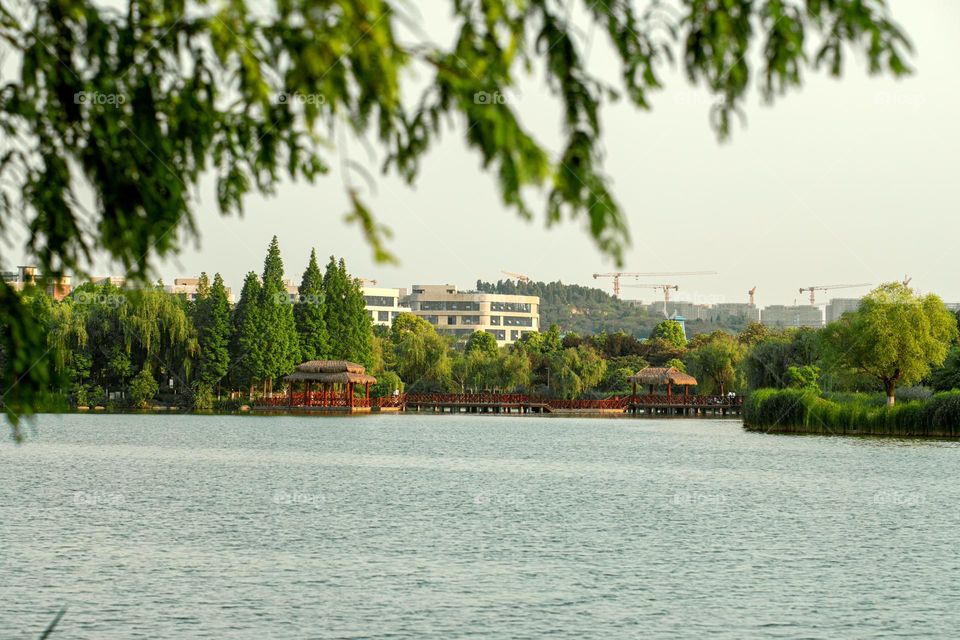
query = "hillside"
x=588 y=310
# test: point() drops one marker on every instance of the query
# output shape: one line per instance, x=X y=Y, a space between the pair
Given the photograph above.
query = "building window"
x=383 y=316
x=499 y=334
x=431 y=319
x=431 y=305
x=472 y=320
x=517 y=321
x=462 y=306
x=515 y=307
x=380 y=301
x=451 y=319
x=514 y=335
x=495 y=321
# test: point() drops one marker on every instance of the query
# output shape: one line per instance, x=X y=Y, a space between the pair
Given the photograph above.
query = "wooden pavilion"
x=330 y=385
x=663 y=377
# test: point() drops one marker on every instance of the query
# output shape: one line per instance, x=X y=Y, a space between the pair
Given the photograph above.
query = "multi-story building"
x=689 y=310
x=839 y=306
x=727 y=311
x=506 y=317
x=187 y=288
x=781 y=316
x=384 y=304
x=24 y=276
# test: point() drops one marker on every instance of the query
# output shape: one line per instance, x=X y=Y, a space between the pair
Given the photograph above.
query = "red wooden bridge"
x=506 y=403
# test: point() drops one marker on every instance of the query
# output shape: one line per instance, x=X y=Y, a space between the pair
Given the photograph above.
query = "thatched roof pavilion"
x=335 y=382
x=331 y=371
x=663 y=377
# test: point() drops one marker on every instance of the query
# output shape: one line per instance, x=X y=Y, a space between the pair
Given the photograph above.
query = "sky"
x=850 y=180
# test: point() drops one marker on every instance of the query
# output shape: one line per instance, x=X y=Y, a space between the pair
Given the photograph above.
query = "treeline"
x=131 y=347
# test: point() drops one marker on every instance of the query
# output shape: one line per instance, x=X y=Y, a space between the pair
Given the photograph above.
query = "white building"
x=384 y=304
x=506 y=317
x=726 y=311
x=187 y=288
x=839 y=306
x=781 y=316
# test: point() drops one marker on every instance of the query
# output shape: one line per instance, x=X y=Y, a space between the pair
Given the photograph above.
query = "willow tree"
x=136 y=106
x=896 y=336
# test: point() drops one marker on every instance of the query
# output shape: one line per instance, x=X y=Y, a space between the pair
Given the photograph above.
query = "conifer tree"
x=211 y=316
x=335 y=310
x=309 y=313
x=277 y=329
x=246 y=351
x=360 y=326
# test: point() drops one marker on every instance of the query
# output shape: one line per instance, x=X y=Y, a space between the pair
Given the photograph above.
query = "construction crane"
x=906 y=281
x=666 y=288
x=813 y=290
x=750 y=293
x=366 y=281
x=616 y=275
x=519 y=277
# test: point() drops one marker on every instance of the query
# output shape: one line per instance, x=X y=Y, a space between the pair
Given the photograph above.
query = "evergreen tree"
x=335 y=310
x=277 y=329
x=309 y=314
x=246 y=351
x=359 y=323
x=211 y=316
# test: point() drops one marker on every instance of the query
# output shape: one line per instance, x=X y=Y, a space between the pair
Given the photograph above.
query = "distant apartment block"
x=781 y=316
x=506 y=317
x=839 y=306
x=689 y=310
x=25 y=276
x=187 y=289
x=727 y=311
x=384 y=304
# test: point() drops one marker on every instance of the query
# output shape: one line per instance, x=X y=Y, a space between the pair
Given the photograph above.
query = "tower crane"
x=616 y=275
x=519 y=277
x=813 y=290
x=750 y=293
x=666 y=288
x=906 y=281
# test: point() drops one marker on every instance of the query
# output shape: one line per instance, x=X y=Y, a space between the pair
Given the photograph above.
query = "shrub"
x=142 y=389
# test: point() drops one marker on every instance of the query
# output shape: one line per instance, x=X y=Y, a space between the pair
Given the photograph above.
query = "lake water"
x=473 y=526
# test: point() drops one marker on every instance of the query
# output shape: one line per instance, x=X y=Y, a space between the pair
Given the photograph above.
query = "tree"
x=714 y=362
x=947 y=376
x=211 y=318
x=575 y=371
x=359 y=337
x=807 y=377
x=671 y=331
x=895 y=336
x=309 y=313
x=247 y=349
x=422 y=355
x=483 y=343
x=136 y=106
x=143 y=388
x=274 y=323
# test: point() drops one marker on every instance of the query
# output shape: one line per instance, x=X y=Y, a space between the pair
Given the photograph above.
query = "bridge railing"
x=515 y=399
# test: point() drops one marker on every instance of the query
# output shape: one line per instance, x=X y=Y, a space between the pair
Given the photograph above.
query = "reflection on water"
x=430 y=526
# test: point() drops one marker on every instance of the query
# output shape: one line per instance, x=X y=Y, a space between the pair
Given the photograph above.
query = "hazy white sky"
x=851 y=180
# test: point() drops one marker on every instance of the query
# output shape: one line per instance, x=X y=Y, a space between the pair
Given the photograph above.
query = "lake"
x=407 y=526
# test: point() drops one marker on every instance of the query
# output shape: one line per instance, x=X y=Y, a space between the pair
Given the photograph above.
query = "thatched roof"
x=330 y=366
x=341 y=377
x=662 y=375
x=335 y=371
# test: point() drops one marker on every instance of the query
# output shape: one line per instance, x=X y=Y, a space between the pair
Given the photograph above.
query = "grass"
x=804 y=411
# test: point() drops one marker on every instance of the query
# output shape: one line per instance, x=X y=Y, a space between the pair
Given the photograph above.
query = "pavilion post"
x=669 y=388
x=368 y=392
x=306 y=394
x=350 y=394
x=634 y=387
x=686 y=390
x=290 y=393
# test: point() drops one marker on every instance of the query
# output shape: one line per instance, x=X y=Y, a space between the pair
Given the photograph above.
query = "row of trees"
x=131 y=345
